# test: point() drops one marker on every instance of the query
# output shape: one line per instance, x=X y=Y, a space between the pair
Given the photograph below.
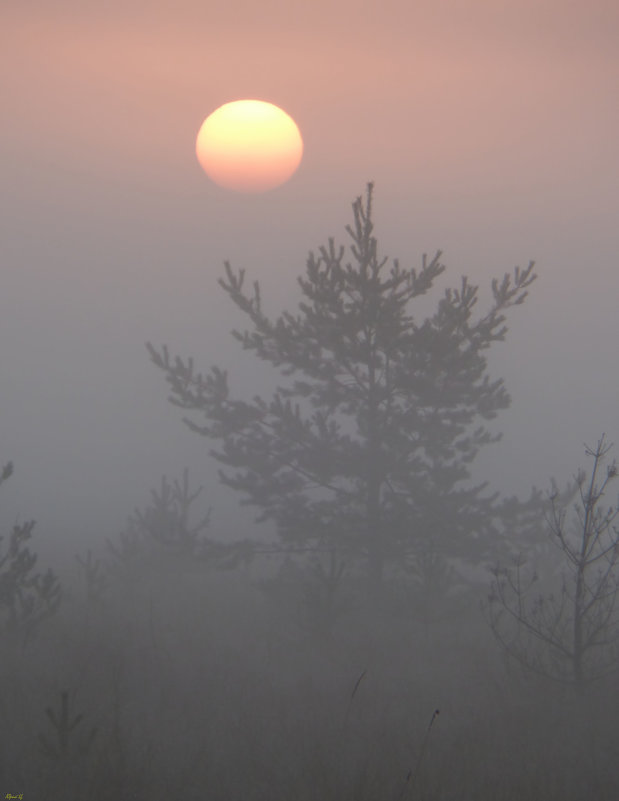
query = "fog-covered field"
x=185 y=680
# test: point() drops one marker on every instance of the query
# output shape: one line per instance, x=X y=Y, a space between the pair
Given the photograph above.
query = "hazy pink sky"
x=502 y=97
x=490 y=129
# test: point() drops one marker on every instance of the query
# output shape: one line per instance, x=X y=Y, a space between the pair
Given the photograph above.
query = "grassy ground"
x=200 y=685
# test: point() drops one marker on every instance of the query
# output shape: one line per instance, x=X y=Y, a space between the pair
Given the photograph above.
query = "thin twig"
x=411 y=776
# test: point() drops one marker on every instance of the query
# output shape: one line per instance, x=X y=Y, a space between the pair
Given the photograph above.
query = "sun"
x=249 y=146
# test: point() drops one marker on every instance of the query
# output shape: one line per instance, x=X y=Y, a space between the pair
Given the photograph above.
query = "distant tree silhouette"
x=570 y=632
x=27 y=598
x=366 y=447
x=165 y=528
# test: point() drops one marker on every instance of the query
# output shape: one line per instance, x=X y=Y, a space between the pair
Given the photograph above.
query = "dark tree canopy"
x=366 y=447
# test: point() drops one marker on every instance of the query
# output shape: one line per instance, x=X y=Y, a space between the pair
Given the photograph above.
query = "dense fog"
x=376 y=571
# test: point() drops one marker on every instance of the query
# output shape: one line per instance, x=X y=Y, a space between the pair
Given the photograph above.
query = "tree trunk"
x=374 y=480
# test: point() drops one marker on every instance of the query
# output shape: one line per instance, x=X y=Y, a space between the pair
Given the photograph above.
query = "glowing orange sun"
x=249 y=146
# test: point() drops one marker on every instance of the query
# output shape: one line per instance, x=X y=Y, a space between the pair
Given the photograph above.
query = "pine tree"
x=27 y=598
x=366 y=447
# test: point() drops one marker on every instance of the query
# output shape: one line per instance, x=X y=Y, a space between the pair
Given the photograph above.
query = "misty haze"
x=310 y=493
